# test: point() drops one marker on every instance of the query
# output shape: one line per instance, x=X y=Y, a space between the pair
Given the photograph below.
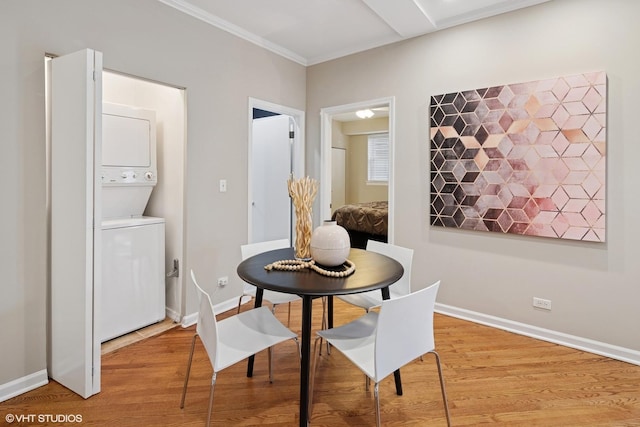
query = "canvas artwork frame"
x=525 y=158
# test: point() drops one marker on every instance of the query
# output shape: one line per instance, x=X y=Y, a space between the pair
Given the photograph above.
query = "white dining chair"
x=233 y=339
x=373 y=299
x=275 y=298
x=380 y=343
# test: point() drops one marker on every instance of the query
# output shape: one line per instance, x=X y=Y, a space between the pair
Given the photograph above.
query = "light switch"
x=223 y=185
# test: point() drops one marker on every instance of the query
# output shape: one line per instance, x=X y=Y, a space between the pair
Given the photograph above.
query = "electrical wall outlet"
x=544 y=304
x=223 y=281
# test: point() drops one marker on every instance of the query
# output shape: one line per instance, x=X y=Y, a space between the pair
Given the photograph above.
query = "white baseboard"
x=172 y=314
x=231 y=304
x=579 y=343
x=189 y=320
x=23 y=385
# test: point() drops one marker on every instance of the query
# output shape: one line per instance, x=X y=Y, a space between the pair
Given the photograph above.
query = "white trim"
x=172 y=314
x=326 y=115
x=572 y=341
x=196 y=12
x=23 y=385
x=230 y=304
x=189 y=320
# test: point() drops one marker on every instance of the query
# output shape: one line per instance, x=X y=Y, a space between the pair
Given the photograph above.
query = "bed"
x=364 y=221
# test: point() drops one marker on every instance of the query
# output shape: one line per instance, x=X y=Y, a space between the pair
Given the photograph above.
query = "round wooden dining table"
x=373 y=271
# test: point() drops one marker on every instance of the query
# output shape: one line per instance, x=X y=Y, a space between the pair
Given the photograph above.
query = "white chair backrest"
x=405 y=330
x=207 y=327
x=401 y=254
x=252 y=249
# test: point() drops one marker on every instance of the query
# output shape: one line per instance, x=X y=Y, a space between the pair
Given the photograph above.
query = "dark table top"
x=373 y=271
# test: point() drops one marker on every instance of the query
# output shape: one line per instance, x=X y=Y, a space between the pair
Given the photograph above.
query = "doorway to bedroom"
x=357 y=143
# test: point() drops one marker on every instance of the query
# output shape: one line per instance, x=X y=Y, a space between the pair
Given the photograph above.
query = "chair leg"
x=299 y=349
x=377 y=396
x=289 y=316
x=444 y=393
x=324 y=325
x=270 y=365
x=213 y=384
x=239 y=303
x=186 y=377
x=273 y=311
x=314 y=363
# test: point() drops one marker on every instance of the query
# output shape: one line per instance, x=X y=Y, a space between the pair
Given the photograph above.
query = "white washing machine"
x=133 y=258
x=133 y=278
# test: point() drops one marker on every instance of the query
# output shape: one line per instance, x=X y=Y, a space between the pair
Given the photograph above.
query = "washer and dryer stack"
x=133 y=278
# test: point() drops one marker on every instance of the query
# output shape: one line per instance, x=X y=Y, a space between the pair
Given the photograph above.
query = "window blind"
x=378 y=153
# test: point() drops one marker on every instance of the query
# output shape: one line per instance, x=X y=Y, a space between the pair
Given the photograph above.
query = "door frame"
x=57 y=355
x=326 y=118
x=298 y=117
x=166 y=205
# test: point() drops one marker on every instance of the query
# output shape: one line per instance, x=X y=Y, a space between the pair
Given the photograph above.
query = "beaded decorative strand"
x=288 y=265
x=297 y=265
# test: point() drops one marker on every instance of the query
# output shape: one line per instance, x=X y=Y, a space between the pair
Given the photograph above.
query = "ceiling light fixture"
x=364 y=114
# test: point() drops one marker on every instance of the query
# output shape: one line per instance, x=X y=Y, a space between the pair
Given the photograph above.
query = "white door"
x=76 y=110
x=338 y=179
x=270 y=169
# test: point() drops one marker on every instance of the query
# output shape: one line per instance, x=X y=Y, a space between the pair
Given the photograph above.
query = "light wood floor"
x=139 y=335
x=493 y=377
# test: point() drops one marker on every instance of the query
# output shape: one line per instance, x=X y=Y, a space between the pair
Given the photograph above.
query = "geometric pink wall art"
x=526 y=158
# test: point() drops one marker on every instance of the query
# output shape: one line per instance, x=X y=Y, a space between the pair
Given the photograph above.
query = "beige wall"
x=148 y=39
x=594 y=288
x=358 y=190
x=352 y=136
x=366 y=126
x=338 y=139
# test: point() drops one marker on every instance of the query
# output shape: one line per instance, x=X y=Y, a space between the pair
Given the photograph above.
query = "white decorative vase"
x=330 y=244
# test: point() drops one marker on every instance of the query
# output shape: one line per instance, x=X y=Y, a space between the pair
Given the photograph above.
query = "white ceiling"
x=314 y=31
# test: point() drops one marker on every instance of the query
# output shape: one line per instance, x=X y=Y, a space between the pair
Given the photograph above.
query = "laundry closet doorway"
x=74 y=100
x=167 y=197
